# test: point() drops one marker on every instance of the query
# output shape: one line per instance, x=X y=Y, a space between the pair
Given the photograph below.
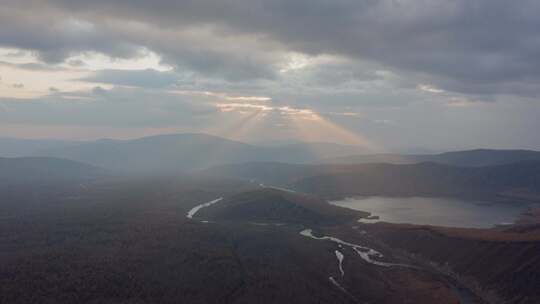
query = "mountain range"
x=171 y=154
x=179 y=153
x=520 y=180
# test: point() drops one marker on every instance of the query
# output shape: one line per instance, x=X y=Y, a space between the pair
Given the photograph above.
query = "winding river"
x=367 y=254
x=196 y=209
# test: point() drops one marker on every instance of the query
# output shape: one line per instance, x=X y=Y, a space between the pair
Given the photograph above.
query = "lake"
x=436 y=211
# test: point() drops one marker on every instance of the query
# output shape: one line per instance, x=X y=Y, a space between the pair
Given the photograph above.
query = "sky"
x=386 y=75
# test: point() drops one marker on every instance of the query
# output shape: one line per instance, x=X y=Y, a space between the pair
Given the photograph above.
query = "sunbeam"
x=314 y=127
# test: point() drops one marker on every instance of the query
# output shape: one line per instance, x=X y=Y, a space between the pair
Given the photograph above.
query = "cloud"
x=429 y=88
x=137 y=78
x=423 y=65
x=114 y=108
x=473 y=47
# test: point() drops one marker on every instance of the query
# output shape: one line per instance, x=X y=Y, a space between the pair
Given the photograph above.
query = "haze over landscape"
x=269 y=151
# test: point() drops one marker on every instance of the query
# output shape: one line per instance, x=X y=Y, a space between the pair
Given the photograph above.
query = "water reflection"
x=436 y=211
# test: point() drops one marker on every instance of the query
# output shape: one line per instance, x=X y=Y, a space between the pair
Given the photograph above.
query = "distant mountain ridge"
x=170 y=154
x=179 y=153
x=472 y=158
x=519 y=180
x=45 y=169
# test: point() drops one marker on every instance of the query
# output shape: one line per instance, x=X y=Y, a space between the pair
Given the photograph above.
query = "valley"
x=407 y=255
x=264 y=233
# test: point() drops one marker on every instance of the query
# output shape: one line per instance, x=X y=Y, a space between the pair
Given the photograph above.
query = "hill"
x=484 y=260
x=269 y=205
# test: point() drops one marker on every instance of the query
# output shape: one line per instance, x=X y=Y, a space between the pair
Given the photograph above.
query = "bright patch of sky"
x=23 y=75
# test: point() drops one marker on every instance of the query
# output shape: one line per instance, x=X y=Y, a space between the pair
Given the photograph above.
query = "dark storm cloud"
x=57 y=33
x=54 y=35
x=229 y=66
